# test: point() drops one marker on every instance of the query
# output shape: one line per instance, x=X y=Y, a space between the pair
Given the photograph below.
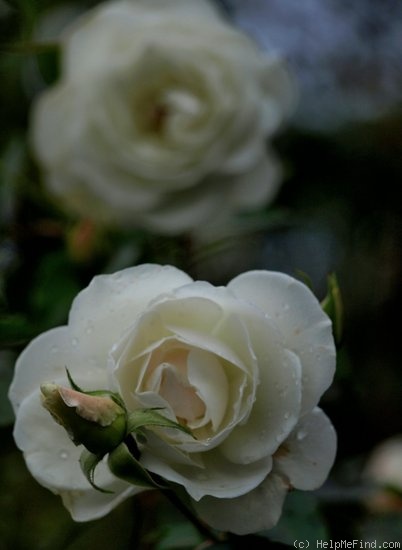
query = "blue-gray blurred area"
x=345 y=55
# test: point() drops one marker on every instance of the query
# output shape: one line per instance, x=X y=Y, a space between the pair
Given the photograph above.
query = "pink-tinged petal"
x=308 y=454
x=304 y=328
x=101 y=314
x=260 y=509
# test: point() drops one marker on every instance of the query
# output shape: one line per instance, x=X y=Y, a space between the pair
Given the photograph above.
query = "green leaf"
x=333 y=306
x=175 y=536
x=142 y=418
x=124 y=466
x=88 y=463
x=301 y=519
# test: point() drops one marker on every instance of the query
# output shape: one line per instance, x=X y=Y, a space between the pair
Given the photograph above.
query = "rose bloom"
x=160 y=117
x=242 y=366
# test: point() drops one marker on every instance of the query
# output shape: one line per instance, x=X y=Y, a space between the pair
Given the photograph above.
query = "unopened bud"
x=96 y=421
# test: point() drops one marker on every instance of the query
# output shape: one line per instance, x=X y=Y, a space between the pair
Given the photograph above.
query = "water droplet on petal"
x=301 y=434
x=74 y=342
x=64 y=455
x=286 y=415
x=54 y=349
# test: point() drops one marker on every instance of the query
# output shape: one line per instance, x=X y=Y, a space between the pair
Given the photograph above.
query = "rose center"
x=180 y=395
x=168 y=378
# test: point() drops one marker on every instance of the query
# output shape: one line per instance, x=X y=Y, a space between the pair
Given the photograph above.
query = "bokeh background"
x=338 y=210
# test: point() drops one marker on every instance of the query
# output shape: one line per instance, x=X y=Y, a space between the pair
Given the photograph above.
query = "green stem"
x=199 y=525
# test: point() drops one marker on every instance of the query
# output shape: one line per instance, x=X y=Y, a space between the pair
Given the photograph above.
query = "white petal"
x=277 y=402
x=91 y=504
x=102 y=313
x=256 y=187
x=219 y=477
x=53 y=460
x=260 y=509
x=255 y=339
x=309 y=452
x=188 y=209
x=88 y=44
x=206 y=374
x=305 y=328
x=45 y=359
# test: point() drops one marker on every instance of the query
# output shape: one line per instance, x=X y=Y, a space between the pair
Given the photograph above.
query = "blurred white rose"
x=161 y=116
x=242 y=366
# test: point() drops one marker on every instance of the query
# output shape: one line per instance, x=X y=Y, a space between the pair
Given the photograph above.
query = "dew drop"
x=74 y=342
x=286 y=415
x=54 y=349
x=89 y=328
x=301 y=434
x=63 y=454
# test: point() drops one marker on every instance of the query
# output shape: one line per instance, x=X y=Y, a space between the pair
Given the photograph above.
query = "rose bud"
x=95 y=421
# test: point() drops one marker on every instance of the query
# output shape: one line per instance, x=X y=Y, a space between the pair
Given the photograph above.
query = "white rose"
x=161 y=116
x=243 y=367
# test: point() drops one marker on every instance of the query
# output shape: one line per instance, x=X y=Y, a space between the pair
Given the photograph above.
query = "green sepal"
x=102 y=393
x=333 y=306
x=88 y=463
x=72 y=383
x=124 y=466
x=143 y=418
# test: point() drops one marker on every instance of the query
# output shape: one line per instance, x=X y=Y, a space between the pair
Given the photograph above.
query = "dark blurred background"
x=337 y=211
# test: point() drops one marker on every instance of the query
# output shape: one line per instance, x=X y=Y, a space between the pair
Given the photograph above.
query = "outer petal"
x=45 y=360
x=218 y=476
x=54 y=461
x=102 y=312
x=91 y=504
x=304 y=327
x=308 y=454
x=88 y=44
x=260 y=509
x=257 y=186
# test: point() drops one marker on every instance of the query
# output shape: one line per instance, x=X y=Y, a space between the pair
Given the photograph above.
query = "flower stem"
x=187 y=512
